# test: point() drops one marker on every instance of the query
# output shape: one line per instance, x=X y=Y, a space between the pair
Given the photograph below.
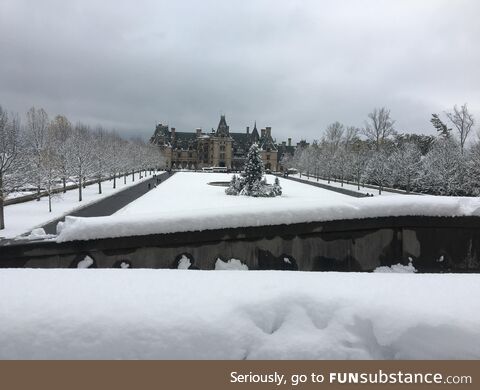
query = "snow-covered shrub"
x=277 y=189
x=236 y=185
x=253 y=183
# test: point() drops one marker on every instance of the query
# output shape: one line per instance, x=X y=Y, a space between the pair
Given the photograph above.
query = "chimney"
x=289 y=142
x=248 y=130
x=269 y=132
x=263 y=133
x=199 y=132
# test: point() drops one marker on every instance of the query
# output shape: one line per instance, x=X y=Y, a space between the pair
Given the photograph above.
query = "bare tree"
x=100 y=156
x=463 y=122
x=406 y=162
x=80 y=154
x=49 y=168
x=61 y=131
x=378 y=170
x=11 y=153
x=333 y=136
x=36 y=133
x=379 y=127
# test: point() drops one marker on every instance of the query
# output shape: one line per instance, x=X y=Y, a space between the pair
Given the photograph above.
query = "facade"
x=219 y=148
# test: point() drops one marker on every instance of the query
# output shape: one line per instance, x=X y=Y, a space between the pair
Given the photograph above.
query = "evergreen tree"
x=253 y=168
x=441 y=127
x=252 y=182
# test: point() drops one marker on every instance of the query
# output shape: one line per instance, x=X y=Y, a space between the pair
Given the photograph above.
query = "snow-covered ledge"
x=176 y=314
x=161 y=220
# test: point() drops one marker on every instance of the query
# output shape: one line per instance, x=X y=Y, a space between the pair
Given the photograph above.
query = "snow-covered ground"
x=187 y=203
x=23 y=217
x=351 y=187
x=179 y=314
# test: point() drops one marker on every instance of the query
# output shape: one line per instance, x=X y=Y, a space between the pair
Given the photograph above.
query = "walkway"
x=110 y=204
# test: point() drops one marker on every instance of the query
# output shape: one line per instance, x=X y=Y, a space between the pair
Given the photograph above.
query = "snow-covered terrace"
x=187 y=203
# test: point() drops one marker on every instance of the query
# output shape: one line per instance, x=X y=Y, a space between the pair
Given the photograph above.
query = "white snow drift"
x=187 y=203
x=179 y=314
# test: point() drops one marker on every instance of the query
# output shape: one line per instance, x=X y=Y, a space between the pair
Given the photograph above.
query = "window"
x=268 y=157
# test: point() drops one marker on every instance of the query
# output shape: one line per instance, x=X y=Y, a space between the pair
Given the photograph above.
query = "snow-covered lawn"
x=351 y=187
x=187 y=203
x=23 y=217
x=178 y=314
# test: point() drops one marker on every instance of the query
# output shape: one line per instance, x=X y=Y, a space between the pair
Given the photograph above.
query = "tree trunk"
x=2 y=216
x=80 y=188
x=64 y=180
x=49 y=201
x=99 y=186
x=114 y=180
x=38 y=193
x=379 y=190
x=133 y=175
x=125 y=178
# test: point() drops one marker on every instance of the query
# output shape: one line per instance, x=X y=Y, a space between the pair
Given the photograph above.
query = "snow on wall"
x=180 y=314
x=165 y=221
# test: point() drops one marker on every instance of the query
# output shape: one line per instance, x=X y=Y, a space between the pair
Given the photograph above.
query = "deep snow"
x=187 y=203
x=179 y=314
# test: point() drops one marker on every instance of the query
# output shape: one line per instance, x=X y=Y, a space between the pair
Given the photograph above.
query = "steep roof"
x=255 y=136
x=222 y=128
x=184 y=140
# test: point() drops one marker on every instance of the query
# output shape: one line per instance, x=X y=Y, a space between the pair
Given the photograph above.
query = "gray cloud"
x=294 y=65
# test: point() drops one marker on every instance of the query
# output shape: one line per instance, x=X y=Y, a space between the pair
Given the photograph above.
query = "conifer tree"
x=253 y=168
x=441 y=127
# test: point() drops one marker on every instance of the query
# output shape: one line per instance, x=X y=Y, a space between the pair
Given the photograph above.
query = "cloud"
x=295 y=66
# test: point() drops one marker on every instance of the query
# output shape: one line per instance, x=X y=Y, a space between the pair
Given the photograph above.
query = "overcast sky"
x=294 y=65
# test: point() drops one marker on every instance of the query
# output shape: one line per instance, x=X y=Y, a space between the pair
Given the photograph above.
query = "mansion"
x=219 y=148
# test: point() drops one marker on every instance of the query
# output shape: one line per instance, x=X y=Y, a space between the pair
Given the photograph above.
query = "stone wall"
x=435 y=244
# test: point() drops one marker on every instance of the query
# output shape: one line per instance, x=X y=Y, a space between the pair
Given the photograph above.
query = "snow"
x=230 y=265
x=187 y=203
x=38 y=234
x=85 y=263
x=23 y=217
x=184 y=262
x=397 y=268
x=170 y=314
x=351 y=187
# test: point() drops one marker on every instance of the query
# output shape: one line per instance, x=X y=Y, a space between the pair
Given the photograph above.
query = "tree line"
x=442 y=164
x=45 y=154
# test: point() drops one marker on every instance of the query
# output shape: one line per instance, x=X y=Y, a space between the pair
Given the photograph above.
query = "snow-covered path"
x=351 y=187
x=177 y=314
x=23 y=217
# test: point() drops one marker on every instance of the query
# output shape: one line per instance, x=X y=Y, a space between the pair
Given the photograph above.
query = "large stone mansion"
x=219 y=148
